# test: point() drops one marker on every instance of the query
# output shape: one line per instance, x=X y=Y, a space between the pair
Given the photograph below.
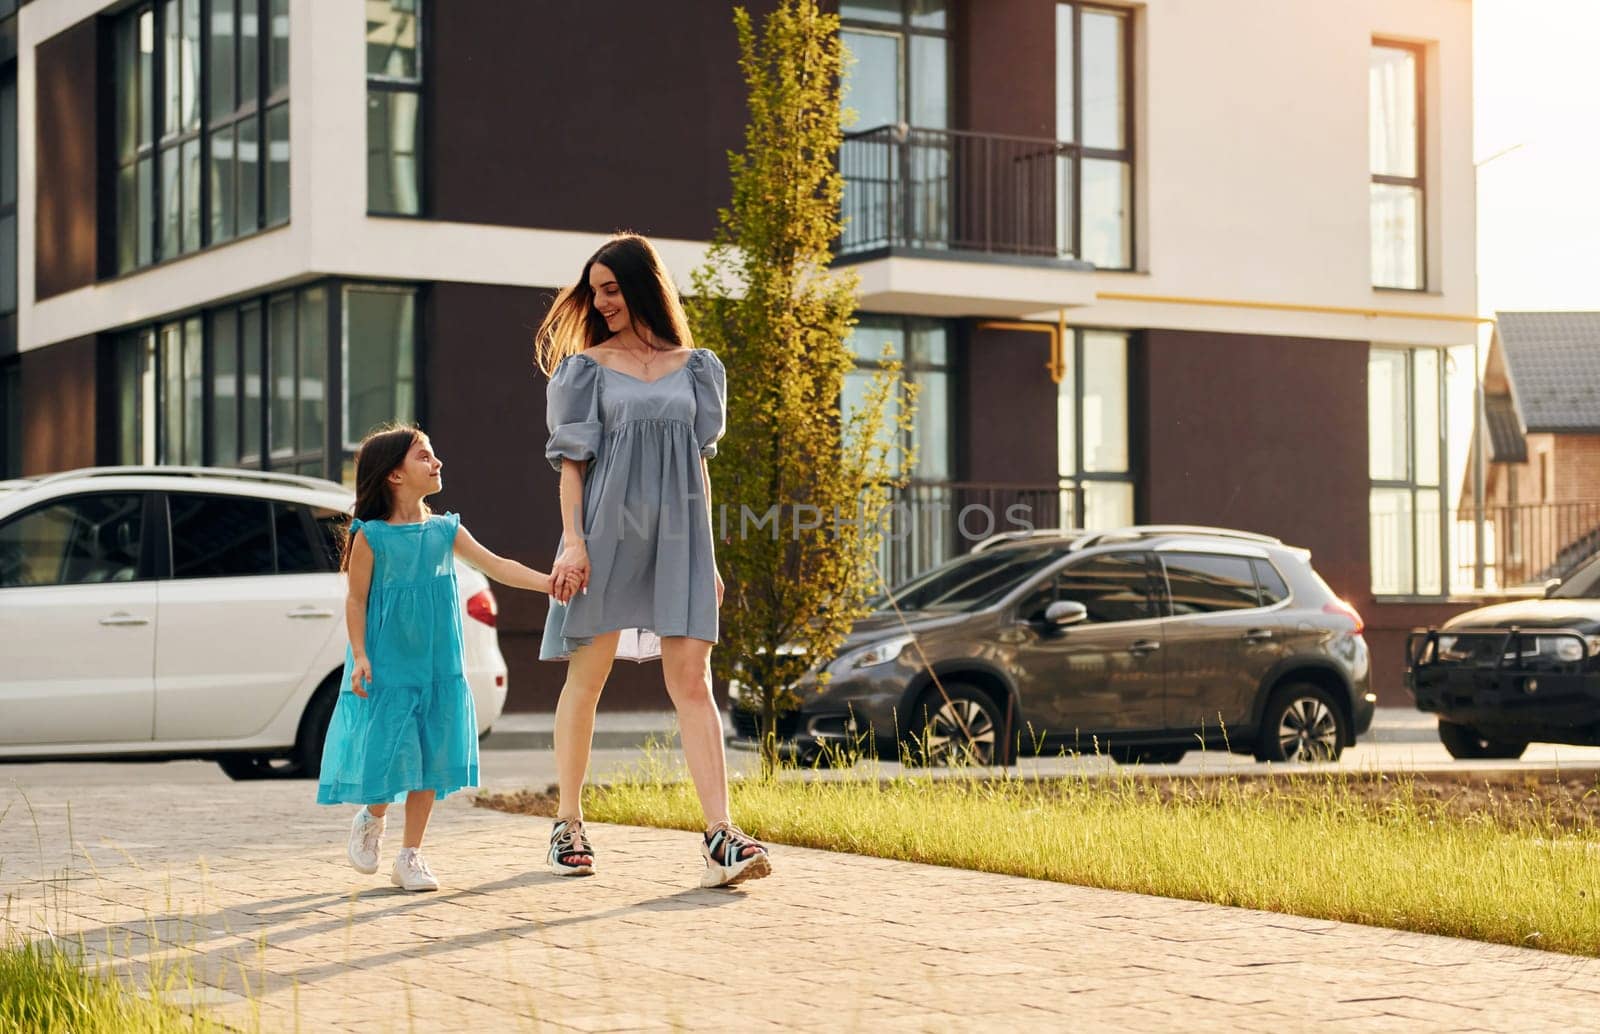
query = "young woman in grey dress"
x=634 y=411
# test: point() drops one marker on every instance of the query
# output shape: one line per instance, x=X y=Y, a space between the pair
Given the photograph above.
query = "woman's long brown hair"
x=572 y=324
x=381 y=451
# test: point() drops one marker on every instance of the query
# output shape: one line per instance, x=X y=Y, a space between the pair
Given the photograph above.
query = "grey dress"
x=645 y=516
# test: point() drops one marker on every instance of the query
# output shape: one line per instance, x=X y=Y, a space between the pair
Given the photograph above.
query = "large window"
x=394 y=107
x=922 y=347
x=1094 y=122
x=901 y=69
x=257 y=385
x=1094 y=457
x=1398 y=203
x=202 y=125
x=1406 y=414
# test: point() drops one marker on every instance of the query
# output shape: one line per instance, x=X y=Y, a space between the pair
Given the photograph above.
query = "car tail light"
x=1341 y=607
x=483 y=607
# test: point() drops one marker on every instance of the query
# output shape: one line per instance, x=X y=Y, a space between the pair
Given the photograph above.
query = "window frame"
x=1411 y=483
x=910 y=366
x=331 y=455
x=266 y=101
x=391 y=85
x=1072 y=487
x=1075 y=151
x=905 y=30
x=1419 y=182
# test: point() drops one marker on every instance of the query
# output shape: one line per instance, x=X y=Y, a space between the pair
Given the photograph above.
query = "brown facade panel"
x=58 y=406
x=1020 y=37
x=661 y=104
x=1006 y=407
x=66 y=163
x=485 y=413
x=1265 y=434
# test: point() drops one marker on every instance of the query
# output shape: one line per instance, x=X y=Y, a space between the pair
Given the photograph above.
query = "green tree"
x=797 y=489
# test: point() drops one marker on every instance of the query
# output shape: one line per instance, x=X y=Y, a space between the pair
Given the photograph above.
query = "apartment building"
x=1165 y=262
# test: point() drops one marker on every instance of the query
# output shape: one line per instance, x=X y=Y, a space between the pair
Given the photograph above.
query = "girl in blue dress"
x=404 y=726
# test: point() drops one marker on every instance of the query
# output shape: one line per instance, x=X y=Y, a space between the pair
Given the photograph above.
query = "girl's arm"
x=711 y=516
x=502 y=570
x=355 y=612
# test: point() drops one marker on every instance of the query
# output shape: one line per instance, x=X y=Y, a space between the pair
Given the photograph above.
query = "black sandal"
x=568 y=847
x=733 y=856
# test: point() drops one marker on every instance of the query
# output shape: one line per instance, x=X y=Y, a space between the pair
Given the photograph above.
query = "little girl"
x=404 y=726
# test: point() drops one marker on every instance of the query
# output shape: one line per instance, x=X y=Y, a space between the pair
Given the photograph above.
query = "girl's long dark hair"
x=381 y=451
x=572 y=324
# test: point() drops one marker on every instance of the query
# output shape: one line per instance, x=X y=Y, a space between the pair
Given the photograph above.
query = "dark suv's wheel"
x=962 y=724
x=1466 y=743
x=1301 y=722
x=305 y=761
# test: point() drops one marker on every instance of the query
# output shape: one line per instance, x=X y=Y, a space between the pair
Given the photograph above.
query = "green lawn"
x=1325 y=847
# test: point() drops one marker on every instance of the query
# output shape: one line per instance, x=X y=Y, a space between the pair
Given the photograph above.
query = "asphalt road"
x=517 y=755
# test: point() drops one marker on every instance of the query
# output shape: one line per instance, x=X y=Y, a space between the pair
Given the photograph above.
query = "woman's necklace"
x=654 y=354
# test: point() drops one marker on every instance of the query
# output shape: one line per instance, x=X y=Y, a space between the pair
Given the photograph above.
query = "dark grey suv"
x=1141 y=643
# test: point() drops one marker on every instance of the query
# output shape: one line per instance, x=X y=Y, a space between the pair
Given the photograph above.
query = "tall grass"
x=1309 y=846
x=47 y=989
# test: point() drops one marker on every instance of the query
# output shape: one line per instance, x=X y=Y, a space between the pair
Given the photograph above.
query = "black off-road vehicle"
x=1504 y=676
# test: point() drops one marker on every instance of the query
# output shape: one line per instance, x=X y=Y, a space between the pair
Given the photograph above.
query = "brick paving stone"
x=273 y=929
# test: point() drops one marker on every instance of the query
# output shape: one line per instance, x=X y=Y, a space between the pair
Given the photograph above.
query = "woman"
x=634 y=411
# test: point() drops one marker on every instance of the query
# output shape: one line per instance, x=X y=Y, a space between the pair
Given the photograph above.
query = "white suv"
x=186 y=612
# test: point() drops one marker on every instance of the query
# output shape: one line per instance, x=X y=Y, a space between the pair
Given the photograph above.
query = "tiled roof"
x=1553 y=359
x=1506 y=443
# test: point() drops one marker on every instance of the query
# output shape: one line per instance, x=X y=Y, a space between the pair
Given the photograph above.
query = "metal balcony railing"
x=1523 y=546
x=943 y=189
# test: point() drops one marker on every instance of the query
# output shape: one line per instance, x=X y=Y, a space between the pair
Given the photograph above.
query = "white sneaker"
x=411 y=872
x=366 y=837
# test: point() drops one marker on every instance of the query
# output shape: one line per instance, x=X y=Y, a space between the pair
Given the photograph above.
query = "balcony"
x=946 y=222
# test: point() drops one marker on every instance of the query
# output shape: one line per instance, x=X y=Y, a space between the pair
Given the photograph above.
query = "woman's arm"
x=570 y=572
x=502 y=570
x=711 y=517
x=359 y=578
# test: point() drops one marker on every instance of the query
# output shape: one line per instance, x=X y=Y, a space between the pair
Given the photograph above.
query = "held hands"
x=361 y=677
x=569 y=575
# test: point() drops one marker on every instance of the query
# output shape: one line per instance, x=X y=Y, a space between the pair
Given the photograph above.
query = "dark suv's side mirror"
x=1062 y=613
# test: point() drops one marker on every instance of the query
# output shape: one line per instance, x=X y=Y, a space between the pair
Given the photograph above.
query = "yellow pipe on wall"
x=1057 y=364
x=1335 y=310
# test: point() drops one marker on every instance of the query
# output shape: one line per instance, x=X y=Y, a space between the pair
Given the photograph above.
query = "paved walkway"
x=244 y=889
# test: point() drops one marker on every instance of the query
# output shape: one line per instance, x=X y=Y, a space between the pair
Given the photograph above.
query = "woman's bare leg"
x=574 y=734
x=686 y=664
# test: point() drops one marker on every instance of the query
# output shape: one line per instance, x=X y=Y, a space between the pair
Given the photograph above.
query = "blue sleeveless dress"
x=416 y=728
